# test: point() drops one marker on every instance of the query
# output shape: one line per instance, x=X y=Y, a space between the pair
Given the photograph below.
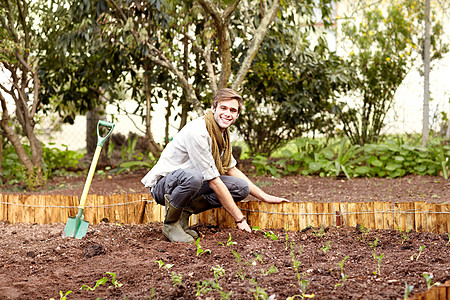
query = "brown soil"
x=410 y=188
x=37 y=263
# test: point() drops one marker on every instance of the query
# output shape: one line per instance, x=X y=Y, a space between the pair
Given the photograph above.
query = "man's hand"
x=244 y=226
x=273 y=199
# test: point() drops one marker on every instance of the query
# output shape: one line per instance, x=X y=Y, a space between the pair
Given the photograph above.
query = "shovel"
x=76 y=226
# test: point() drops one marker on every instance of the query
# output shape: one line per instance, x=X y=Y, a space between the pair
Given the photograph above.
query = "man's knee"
x=192 y=179
x=238 y=188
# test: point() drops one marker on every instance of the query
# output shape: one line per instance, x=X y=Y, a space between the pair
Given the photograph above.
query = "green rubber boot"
x=184 y=223
x=198 y=205
x=171 y=227
x=195 y=206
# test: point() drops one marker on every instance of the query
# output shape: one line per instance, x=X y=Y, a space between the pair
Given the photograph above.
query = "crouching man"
x=197 y=172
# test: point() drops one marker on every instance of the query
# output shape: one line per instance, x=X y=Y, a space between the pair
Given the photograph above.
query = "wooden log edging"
x=437 y=292
x=128 y=208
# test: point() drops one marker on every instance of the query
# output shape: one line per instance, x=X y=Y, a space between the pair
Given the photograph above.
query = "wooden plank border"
x=43 y=209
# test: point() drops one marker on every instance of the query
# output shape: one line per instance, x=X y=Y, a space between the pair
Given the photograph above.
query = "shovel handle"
x=101 y=139
x=98 y=149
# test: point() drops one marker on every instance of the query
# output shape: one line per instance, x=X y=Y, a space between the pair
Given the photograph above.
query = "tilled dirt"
x=410 y=188
x=329 y=263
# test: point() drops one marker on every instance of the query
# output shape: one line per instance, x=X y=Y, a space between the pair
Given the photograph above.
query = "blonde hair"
x=227 y=94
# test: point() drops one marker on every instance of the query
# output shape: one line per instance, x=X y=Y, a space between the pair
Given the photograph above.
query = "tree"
x=384 y=44
x=18 y=57
x=292 y=84
x=209 y=38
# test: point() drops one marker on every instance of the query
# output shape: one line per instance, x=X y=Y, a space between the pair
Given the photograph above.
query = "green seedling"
x=259 y=256
x=209 y=285
x=429 y=280
x=326 y=247
x=205 y=287
x=272 y=270
x=271 y=235
x=241 y=271
x=153 y=294
x=303 y=295
x=229 y=242
x=218 y=271
x=287 y=241
x=418 y=255
x=259 y=292
x=320 y=232
x=408 y=290
x=162 y=265
x=341 y=267
x=404 y=234
x=63 y=296
x=103 y=281
x=448 y=235
x=364 y=233
x=267 y=234
x=374 y=245
x=378 y=258
x=201 y=251
x=176 y=279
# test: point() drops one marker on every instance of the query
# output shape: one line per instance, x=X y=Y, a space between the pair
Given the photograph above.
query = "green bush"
x=390 y=159
x=56 y=162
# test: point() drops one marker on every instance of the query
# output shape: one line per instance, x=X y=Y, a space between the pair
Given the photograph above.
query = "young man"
x=197 y=172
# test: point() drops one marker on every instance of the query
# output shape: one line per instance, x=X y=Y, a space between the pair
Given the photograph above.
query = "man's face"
x=226 y=113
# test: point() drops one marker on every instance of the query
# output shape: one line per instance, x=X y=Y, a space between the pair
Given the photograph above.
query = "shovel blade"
x=76 y=227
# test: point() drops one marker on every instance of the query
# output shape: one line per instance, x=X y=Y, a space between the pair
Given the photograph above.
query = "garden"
x=135 y=261
x=314 y=129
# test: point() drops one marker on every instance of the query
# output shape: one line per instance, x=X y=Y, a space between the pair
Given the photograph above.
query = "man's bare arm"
x=254 y=190
x=227 y=201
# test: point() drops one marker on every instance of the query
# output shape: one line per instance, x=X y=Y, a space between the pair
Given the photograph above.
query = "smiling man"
x=197 y=171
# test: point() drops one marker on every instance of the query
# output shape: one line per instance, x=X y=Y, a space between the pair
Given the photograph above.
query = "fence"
x=138 y=208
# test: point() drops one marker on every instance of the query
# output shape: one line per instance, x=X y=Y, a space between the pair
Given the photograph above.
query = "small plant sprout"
x=209 y=285
x=201 y=251
x=271 y=235
x=272 y=270
x=421 y=248
x=229 y=242
x=103 y=281
x=408 y=290
x=448 y=235
x=267 y=234
x=378 y=258
x=343 y=276
x=176 y=279
x=218 y=271
x=429 y=280
x=404 y=234
x=364 y=233
x=162 y=265
x=374 y=245
x=258 y=292
x=63 y=296
x=320 y=232
x=326 y=247
x=241 y=271
x=259 y=256
x=303 y=285
x=287 y=241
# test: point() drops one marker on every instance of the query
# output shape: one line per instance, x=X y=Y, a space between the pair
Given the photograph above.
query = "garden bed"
x=37 y=263
x=338 y=263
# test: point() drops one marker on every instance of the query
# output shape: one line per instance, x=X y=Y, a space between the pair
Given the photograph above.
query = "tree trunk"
x=153 y=146
x=12 y=136
x=426 y=63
